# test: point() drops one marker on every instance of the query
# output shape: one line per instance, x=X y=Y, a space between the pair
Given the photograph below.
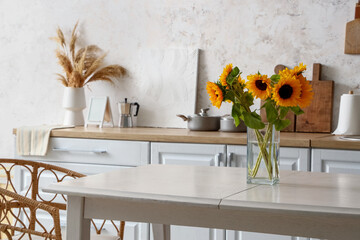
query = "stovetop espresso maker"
x=125 y=111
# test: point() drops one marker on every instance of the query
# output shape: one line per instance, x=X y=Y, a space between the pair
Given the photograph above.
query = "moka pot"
x=125 y=113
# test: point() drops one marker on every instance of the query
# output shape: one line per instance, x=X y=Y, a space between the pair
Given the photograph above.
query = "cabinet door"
x=296 y=159
x=190 y=154
x=133 y=230
x=335 y=161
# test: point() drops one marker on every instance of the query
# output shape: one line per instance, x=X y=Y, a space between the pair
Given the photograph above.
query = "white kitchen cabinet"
x=190 y=154
x=95 y=151
x=296 y=159
x=335 y=161
x=89 y=156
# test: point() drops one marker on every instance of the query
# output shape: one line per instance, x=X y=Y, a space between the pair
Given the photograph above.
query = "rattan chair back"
x=20 y=201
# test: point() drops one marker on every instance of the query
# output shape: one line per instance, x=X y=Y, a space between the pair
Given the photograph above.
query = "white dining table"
x=306 y=204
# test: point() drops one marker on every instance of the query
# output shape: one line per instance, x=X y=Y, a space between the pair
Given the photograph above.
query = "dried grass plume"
x=84 y=65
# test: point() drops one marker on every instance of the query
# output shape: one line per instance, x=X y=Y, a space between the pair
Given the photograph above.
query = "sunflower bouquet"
x=287 y=91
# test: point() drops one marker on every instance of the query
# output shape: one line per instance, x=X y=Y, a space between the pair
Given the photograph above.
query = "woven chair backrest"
x=30 y=183
x=34 y=171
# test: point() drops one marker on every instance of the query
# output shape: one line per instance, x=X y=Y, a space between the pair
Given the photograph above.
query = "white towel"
x=34 y=140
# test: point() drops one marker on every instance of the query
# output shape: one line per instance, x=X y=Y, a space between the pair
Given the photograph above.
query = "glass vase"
x=263 y=149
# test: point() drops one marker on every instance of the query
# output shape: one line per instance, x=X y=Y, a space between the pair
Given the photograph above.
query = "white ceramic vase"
x=74 y=104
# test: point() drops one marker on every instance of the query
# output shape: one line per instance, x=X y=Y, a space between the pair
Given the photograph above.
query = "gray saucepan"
x=201 y=121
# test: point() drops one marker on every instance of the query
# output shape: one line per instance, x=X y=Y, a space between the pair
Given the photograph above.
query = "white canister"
x=349 y=115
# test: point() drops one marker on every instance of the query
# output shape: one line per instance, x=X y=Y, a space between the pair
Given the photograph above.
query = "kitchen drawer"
x=95 y=151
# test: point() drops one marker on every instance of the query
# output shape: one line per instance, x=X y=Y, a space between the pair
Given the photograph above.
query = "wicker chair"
x=20 y=204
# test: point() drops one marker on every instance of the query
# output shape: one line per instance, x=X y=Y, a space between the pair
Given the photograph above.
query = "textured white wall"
x=253 y=34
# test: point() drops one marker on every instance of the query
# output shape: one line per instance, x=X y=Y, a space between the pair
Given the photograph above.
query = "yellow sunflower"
x=286 y=92
x=299 y=69
x=227 y=70
x=215 y=93
x=259 y=86
x=307 y=94
x=286 y=72
x=296 y=71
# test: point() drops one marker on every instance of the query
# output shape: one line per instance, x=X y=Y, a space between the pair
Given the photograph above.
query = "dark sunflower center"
x=260 y=85
x=285 y=91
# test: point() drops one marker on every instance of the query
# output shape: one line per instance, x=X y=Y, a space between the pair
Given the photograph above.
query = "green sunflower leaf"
x=255 y=115
x=230 y=80
x=283 y=112
x=236 y=108
x=236 y=119
x=232 y=76
x=271 y=112
x=229 y=95
x=234 y=72
x=242 y=109
x=297 y=110
x=275 y=78
x=253 y=120
x=236 y=114
x=248 y=99
x=281 y=124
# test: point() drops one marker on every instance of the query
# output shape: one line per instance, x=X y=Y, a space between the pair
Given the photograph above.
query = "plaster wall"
x=252 y=34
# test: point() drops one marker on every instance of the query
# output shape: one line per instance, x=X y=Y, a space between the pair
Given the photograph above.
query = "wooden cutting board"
x=290 y=115
x=352 y=35
x=318 y=116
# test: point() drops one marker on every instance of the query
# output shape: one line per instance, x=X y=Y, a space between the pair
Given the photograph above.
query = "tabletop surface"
x=187 y=184
x=221 y=187
x=305 y=191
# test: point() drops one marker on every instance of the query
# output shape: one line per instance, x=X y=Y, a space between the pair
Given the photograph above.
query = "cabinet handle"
x=79 y=150
x=217 y=159
x=225 y=162
x=230 y=159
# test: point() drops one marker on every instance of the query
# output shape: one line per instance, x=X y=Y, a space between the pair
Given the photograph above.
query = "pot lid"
x=227 y=117
x=203 y=114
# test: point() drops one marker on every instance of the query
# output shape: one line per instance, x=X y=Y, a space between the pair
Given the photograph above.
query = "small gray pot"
x=227 y=124
x=201 y=121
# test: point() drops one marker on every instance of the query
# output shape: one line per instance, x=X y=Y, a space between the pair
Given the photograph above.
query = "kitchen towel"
x=34 y=140
x=349 y=115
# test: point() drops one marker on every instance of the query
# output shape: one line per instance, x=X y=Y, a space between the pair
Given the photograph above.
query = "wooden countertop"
x=180 y=135
x=153 y=135
x=335 y=142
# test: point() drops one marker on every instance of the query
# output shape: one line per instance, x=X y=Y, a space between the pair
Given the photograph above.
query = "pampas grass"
x=83 y=66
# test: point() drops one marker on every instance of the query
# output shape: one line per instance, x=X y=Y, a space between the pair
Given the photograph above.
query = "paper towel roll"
x=349 y=115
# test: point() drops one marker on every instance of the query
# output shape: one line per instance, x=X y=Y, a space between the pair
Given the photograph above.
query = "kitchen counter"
x=335 y=142
x=181 y=135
